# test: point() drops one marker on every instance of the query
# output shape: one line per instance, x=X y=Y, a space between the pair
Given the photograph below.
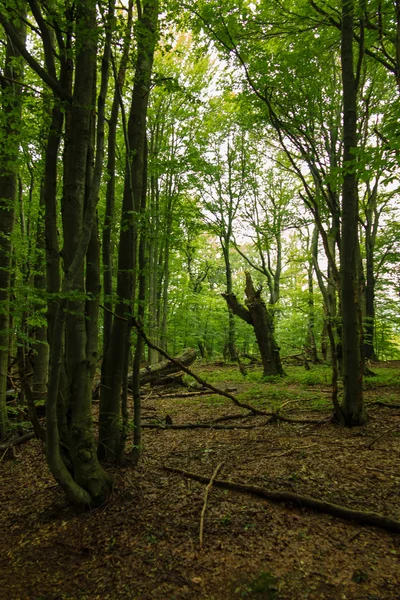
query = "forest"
x=199 y=289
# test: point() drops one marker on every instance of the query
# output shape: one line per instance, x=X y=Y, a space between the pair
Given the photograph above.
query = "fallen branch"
x=186 y=394
x=182 y=367
x=387 y=404
x=381 y=435
x=342 y=512
x=212 y=424
x=17 y=441
x=209 y=425
x=203 y=510
x=231 y=417
x=161 y=370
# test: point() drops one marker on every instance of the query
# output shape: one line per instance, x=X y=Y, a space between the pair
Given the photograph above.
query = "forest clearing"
x=144 y=541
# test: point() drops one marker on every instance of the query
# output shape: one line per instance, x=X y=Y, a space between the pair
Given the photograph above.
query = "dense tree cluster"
x=220 y=174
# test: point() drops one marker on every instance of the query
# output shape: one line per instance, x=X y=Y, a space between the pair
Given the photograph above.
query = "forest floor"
x=144 y=542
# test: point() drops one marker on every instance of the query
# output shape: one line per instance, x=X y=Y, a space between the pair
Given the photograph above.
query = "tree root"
x=363 y=518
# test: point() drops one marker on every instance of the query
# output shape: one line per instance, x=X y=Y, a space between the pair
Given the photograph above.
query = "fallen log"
x=153 y=373
x=17 y=441
x=336 y=510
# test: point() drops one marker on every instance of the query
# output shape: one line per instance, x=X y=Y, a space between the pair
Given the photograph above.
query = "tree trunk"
x=81 y=476
x=257 y=315
x=11 y=100
x=370 y=236
x=231 y=341
x=312 y=346
x=113 y=367
x=137 y=403
x=40 y=346
x=109 y=217
x=352 y=408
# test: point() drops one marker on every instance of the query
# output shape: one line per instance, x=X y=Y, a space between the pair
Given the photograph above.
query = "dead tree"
x=158 y=371
x=256 y=313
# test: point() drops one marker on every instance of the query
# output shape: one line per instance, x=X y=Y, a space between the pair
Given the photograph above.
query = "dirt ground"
x=144 y=543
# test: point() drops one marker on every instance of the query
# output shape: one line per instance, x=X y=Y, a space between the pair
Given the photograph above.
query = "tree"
x=352 y=405
x=255 y=313
x=11 y=108
x=115 y=368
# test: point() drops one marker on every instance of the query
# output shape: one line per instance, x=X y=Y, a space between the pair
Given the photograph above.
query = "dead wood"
x=381 y=435
x=212 y=424
x=299 y=357
x=152 y=373
x=363 y=518
x=257 y=314
x=232 y=417
x=387 y=404
x=17 y=441
x=203 y=511
x=182 y=367
x=170 y=380
x=186 y=394
x=209 y=425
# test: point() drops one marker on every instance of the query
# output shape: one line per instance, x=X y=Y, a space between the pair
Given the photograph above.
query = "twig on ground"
x=186 y=394
x=293 y=449
x=203 y=510
x=342 y=512
x=378 y=437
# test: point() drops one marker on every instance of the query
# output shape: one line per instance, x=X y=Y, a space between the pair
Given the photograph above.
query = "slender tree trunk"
x=311 y=312
x=109 y=217
x=113 y=369
x=40 y=346
x=370 y=236
x=231 y=342
x=153 y=266
x=11 y=100
x=352 y=408
x=137 y=405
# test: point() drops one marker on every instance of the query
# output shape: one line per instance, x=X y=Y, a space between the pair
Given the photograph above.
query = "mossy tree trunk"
x=75 y=322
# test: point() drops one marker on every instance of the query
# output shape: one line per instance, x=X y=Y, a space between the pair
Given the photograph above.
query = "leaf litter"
x=144 y=543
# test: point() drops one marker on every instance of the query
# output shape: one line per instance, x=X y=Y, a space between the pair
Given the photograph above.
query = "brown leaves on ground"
x=144 y=543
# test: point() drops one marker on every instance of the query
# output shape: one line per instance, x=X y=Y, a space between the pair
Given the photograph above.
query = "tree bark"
x=113 y=367
x=81 y=476
x=109 y=218
x=352 y=408
x=11 y=100
x=257 y=315
x=312 y=346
